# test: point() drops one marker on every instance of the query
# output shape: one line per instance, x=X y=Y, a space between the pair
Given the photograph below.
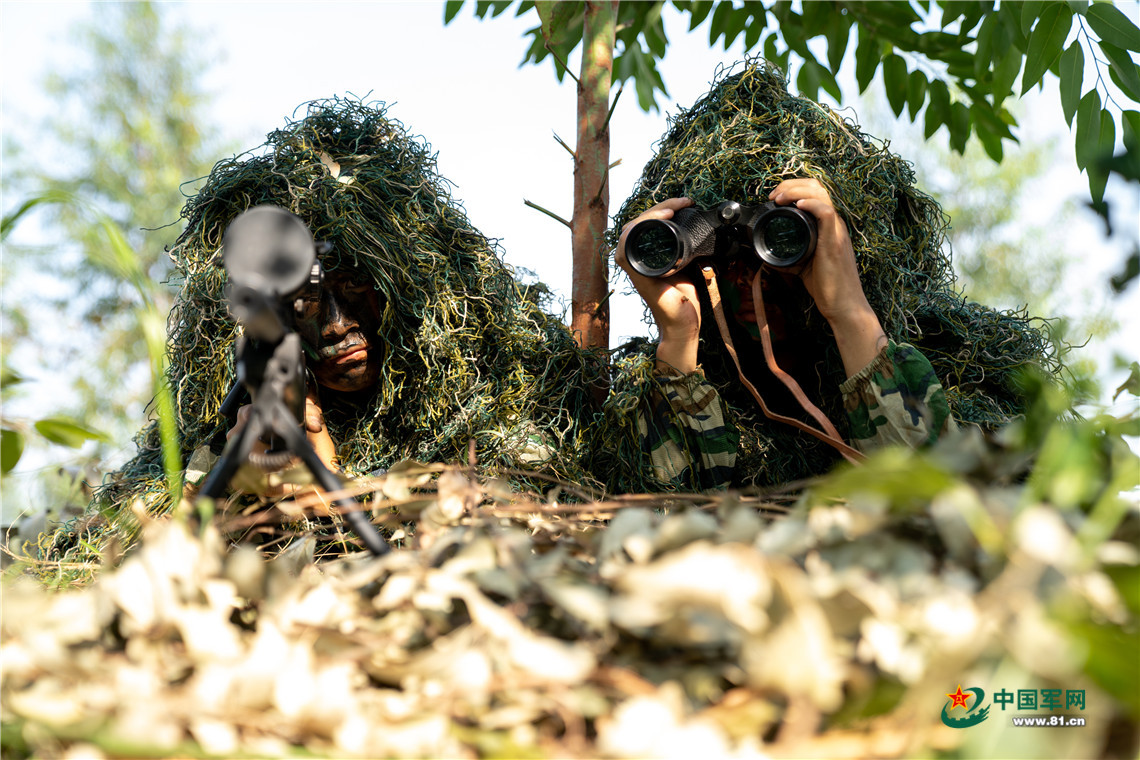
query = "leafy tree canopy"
x=954 y=63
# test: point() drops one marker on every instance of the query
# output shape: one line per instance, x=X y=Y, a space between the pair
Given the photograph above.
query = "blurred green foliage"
x=127 y=130
x=116 y=259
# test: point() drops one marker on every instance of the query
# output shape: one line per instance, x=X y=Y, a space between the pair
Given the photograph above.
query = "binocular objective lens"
x=654 y=248
x=786 y=237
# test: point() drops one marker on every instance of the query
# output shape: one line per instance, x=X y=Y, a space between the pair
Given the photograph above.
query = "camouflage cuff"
x=896 y=398
x=671 y=374
x=880 y=364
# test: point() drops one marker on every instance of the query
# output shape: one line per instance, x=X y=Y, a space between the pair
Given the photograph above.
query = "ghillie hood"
x=737 y=143
x=468 y=355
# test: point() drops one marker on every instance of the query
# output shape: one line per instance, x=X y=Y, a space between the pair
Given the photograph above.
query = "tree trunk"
x=590 y=311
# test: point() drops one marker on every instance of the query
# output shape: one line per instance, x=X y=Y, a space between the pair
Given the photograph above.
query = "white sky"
x=460 y=87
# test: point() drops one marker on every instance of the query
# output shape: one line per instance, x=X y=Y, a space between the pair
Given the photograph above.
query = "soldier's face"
x=340 y=330
x=738 y=274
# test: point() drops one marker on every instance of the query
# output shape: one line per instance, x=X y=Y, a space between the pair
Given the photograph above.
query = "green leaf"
x=838 y=35
x=1079 y=6
x=1123 y=70
x=1010 y=16
x=642 y=68
x=698 y=12
x=1030 y=11
x=915 y=93
x=982 y=114
x=753 y=31
x=791 y=29
x=67 y=432
x=1126 y=164
x=898 y=16
x=1121 y=279
x=807 y=81
x=9 y=377
x=1045 y=44
x=1106 y=645
x=654 y=32
x=989 y=128
x=1131 y=121
x=812 y=76
x=1005 y=73
x=737 y=20
x=561 y=23
x=938 y=108
x=1131 y=385
x=985 y=53
x=952 y=10
x=1113 y=27
x=495 y=7
x=894 y=81
x=991 y=143
x=905 y=478
x=867 y=56
x=8 y=223
x=962 y=68
x=815 y=17
x=1072 y=75
x=943 y=46
x=770 y=52
x=1097 y=169
x=450 y=10
x=975 y=12
x=1088 y=128
x=11 y=449
x=537 y=51
x=829 y=83
x=719 y=21
x=959 y=127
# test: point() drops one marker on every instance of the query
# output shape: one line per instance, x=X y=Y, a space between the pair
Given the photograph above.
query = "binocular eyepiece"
x=780 y=236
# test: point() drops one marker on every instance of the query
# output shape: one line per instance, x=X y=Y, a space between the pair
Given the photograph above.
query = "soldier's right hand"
x=673 y=301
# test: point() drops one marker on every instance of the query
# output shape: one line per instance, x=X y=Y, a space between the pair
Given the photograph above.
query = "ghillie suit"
x=737 y=143
x=468 y=357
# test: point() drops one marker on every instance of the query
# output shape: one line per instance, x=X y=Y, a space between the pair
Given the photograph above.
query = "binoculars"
x=780 y=236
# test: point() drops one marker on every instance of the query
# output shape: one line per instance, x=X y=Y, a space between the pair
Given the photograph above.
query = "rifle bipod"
x=270 y=414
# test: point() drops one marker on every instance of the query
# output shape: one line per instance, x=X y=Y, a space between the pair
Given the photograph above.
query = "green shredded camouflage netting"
x=468 y=356
x=737 y=143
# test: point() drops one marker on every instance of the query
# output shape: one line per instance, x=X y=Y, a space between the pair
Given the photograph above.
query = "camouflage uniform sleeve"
x=895 y=399
x=684 y=432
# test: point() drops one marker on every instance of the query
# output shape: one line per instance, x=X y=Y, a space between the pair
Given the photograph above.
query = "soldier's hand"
x=672 y=300
x=832 y=276
x=316 y=431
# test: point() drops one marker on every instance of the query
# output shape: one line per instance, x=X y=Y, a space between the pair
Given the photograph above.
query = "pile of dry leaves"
x=514 y=628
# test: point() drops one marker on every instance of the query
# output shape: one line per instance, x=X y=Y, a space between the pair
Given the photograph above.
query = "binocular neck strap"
x=828 y=434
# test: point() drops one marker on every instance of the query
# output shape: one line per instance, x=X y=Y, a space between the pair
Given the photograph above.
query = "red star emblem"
x=959 y=698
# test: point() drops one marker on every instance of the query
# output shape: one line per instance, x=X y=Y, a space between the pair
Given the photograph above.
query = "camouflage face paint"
x=737 y=291
x=339 y=331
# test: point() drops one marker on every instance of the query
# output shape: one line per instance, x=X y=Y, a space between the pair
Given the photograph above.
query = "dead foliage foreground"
x=507 y=627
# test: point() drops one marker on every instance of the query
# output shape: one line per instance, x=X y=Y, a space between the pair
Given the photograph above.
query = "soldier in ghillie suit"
x=867 y=328
x=422 y=343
